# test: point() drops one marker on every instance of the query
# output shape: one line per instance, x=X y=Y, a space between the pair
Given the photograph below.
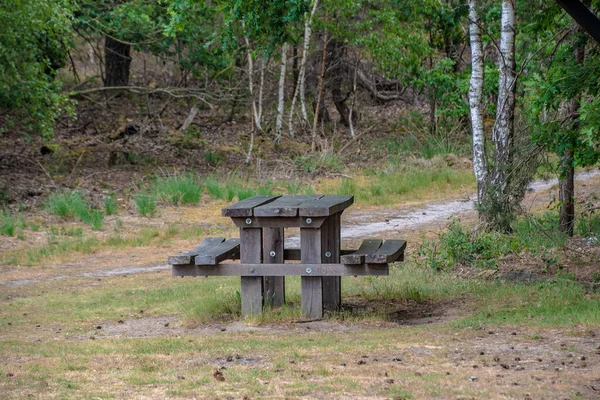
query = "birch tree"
x=496 y=196
x=301 y=84
x=475 y=101
x=281 y=93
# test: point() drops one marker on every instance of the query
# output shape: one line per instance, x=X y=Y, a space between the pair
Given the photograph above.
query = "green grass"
x=10 y=224
x=178 y=189
x=110 y=205
x=71 y=204
x=145 y=203
x=410 y=183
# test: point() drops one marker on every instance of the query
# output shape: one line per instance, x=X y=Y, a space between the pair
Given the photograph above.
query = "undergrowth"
x=71 y=204
x=536 y=234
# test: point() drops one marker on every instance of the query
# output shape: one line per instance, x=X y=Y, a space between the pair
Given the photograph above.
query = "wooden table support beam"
x=251 y=287
x=273 y=286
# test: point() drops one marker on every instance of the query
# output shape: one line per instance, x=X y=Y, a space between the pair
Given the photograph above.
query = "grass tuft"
x=178 y=189
x=145 y=203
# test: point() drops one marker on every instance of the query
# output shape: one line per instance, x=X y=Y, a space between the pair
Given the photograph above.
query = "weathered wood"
x=252 y=287
x=285 y=206
x=273 y=286
x=259 y=270
x=330 y=253
x=390 y=251
x=188 y=258
x=294 y=254
x=368 y=246
x=311 y=287
x=277 y=222
x=229 y=249
x=245 y=207
x=325 y=206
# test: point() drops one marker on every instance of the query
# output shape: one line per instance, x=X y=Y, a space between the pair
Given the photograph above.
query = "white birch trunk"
x=281 y=99
x=475 y=102
x=255 y=114
x=263 y=66
x=503 y=131
x=300 y=86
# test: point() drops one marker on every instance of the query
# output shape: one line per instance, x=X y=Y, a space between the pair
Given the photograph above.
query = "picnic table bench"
x=260 y=248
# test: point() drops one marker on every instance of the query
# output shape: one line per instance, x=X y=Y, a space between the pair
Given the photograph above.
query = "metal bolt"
x=308 y=270
x=272 y=254
x=308 y=221
x=252 y=270
x=248 y=221
x=328 y=254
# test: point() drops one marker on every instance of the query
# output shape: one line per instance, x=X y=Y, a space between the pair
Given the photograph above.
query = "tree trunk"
x=503 y=131
x=281 y=99
x=300 y=86
x=255 y=110
x=475 y=97
x=566 y=182
x=117 y=60
x=319 y=92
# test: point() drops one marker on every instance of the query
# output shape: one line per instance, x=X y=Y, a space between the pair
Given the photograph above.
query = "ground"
x=109 y=325
x=96 y=313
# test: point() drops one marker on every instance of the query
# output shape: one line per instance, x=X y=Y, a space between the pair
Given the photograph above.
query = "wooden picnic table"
x=262 y=221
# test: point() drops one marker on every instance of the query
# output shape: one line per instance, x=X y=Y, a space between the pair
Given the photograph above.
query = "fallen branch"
x=179 y=93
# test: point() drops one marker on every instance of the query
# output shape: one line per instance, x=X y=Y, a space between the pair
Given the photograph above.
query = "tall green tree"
x=34 y=42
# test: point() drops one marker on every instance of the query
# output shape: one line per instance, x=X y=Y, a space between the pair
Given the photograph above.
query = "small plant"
x=10 y=224
x=347 y=187
x=214 y=189
x=214 y=158
x=66 y=204
x=110 y=205
x=145 y=203
x=70 y=204
x=178 y=189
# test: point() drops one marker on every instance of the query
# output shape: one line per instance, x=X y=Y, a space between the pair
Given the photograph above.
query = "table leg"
x=311 y=286
x=252 y=287
x=274 y=286
x=330 y=254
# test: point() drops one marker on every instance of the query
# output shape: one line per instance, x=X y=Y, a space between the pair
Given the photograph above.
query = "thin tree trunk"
x=281 y=100
x=261 y=88
x=319 y=92
x=117 y=60
x=566 y=182
x=255 y=113
x=475 y=102
x=503 y=131
x=300 y=88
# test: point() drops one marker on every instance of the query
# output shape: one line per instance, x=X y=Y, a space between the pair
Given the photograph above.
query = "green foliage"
x=110 y=205
x=178 y=189
x=11 y=224
x=145 y=203
x=214 y=158
x=33 y=44
x=322 y=162
x=460 y=246
x=71 y=204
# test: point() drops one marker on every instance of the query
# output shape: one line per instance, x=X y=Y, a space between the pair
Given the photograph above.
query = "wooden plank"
x=278 y=222
x=252 y=286
x=273 y=286
x=311 y=287
x=259 y=270
x=330 y=253
x=326 y=206
x=389 y=252
x=244 y=208
x=294 y=254
x=285 y=206
x=229 y=249
x=188 y=258
x=368 y=246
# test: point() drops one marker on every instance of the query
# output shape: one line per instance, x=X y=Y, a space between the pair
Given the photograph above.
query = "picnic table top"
x=289 y=206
